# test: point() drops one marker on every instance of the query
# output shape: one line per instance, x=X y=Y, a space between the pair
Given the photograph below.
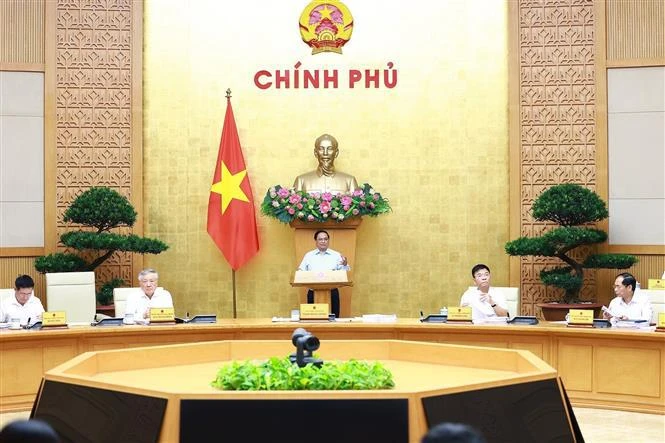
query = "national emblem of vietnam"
x=326 y=26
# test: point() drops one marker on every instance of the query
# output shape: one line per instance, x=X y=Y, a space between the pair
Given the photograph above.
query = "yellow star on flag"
x=229 y=187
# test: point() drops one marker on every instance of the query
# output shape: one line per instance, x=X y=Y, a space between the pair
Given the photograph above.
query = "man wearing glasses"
x=324 y=259
x=149 y=296
x=484 y=302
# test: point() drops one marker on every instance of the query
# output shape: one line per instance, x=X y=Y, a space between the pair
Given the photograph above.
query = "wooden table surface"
x=602 y=368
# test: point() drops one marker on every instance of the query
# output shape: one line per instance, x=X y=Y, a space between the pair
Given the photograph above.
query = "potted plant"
x=99 y=209
x=572 y=207
x=281 y=374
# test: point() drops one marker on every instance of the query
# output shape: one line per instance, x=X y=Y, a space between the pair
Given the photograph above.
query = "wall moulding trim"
x=636 y=62
x=22 y=67
x=637 y=249
x=21 y=252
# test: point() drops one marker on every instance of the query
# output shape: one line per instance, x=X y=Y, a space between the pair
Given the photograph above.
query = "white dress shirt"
x=480 y=310
x=32 y=310
x=639 y=307
x=138 y=303
x=328 y=260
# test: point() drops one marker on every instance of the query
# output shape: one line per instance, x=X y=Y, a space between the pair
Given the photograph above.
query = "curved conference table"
x=602 y=368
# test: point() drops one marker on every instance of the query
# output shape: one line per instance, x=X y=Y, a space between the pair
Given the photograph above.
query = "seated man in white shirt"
x=628 y=304
x=148 y=296
x=484 y=301
x=24 y=305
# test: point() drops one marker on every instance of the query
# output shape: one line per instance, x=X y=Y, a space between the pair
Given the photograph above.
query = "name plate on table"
x=54 y=319
x=656 y=283
x=162 y=315
x=580 y=317
x=660 y=323
x=314 y=311
x=460 y=314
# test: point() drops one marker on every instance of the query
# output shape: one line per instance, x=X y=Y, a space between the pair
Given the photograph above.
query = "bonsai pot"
x=554 y=311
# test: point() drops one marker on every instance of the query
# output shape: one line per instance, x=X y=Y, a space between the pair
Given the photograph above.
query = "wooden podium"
x=321 y=282
x=342 y=240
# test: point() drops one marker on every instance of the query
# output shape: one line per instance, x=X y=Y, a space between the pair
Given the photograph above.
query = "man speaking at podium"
x=324 y=259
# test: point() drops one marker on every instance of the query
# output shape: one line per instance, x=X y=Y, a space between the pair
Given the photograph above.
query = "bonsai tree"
x=570 y=206
x=100 y=210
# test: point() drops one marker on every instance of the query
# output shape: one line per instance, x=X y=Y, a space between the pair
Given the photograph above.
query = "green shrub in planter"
x=569 y=206
x=98 y=210
x=279 y=374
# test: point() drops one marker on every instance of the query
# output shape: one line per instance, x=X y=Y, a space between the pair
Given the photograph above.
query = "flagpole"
x=233 y=279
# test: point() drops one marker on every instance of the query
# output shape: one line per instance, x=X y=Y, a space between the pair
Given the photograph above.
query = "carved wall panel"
x=557 y=118
x=94 y=46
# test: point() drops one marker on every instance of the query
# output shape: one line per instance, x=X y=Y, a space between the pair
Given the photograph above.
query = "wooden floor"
x=598 y=425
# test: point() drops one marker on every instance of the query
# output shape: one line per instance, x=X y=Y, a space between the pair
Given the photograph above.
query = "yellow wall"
x=436 y=145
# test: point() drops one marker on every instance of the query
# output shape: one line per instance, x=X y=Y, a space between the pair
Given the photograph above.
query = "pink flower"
x=345 y=207
x=294 y=199
x=334 y=215
x=283 y=192
x=324 y=207
x=299 y=205
x=315 y=194
x=310 y=217
x=327 y=196
x=371 y=205
x=362 y=203
x=376 y=196
x=346 y=201
x=355 y=212
x=357 y=192
x=291 y=211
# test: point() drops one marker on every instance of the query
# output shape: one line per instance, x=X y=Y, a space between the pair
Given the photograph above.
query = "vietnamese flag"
x=231 y=216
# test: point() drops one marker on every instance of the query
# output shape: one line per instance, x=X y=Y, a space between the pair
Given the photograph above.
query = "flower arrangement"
x=287 y=204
